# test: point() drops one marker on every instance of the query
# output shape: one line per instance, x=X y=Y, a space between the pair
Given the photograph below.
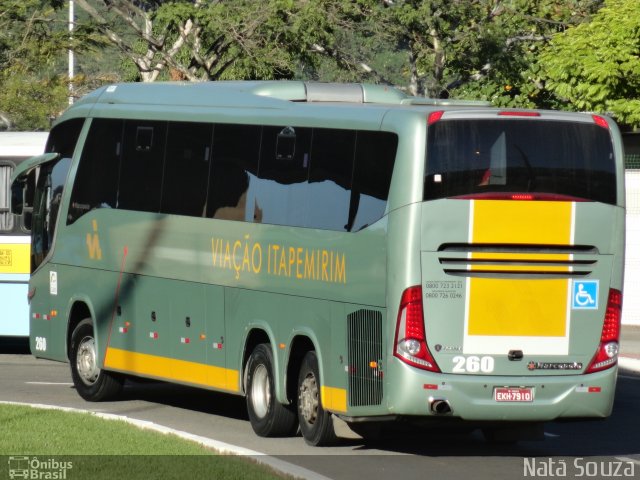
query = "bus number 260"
x=41 y=344
x=473 y=364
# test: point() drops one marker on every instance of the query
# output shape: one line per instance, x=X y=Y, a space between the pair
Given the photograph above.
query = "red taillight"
x=434 y=117
x=411 y=341
x=518 y=113
x=545 y=197
x=600 y=121
x=607 y=354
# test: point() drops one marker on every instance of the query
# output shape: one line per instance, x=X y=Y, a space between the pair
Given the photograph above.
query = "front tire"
x=315 y=422
x=269 y=418
x=91 y=382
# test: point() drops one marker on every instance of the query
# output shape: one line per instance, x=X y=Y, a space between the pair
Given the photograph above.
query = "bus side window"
x=96 y=182
x=63 y=137
x=186 y=170
x=330 y=178
x=281 y=189
x=236 y=149
x=142 y=165
x=374 y=161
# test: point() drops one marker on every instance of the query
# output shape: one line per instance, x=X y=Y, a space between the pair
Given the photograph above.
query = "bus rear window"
x=478 y=157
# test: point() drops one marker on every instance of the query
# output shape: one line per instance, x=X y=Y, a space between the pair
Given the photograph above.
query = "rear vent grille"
x=517 y=261
x=365 y=357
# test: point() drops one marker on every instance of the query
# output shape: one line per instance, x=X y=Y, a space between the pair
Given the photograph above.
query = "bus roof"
x=336 y=104
x=265 y=94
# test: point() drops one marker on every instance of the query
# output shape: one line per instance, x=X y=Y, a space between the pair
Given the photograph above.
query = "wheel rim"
x=260 y=391
x=86 y=361
x=308 y=399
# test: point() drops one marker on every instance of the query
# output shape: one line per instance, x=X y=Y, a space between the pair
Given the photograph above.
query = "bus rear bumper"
x=473 y=397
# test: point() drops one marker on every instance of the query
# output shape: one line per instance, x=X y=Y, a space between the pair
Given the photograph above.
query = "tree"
x=481 y=48
x=596 y=66
x=33 y=45
x=213 y=40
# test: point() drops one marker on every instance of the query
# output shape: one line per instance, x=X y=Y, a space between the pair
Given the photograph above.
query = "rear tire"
x=269 y=418
x=91 y=382
x=315 y=422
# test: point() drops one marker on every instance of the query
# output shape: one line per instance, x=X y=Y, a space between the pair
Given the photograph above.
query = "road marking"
x=50 y=383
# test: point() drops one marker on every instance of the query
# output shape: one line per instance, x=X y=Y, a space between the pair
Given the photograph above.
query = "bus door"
x=49 y=173
x=521 y=246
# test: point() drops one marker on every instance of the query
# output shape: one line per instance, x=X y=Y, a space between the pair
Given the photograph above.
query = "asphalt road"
x=583 y=446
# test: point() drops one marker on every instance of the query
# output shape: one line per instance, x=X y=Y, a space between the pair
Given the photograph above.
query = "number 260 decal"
x=472 y=364
x=41 y=344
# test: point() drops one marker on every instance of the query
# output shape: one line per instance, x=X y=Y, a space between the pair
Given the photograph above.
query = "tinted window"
x=236 y=150
x=186 y=171
x=330 y=178
x=375 y=158
x=96 y=182
x=487 y=156
x=51 y=180
x=279 y=194
x=142 y=165
x=64 y=136
x=286 y=175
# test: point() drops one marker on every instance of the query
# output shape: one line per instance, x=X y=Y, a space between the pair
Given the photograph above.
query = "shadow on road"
x=183 y=397
x=618 y=435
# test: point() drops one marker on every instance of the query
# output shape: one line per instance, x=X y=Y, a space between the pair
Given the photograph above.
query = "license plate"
x=513 y=394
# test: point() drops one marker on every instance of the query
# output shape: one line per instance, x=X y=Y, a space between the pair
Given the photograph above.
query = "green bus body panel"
x=446 y=295
x=188 y=292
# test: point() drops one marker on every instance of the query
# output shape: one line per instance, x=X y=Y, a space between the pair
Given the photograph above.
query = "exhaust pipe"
x=440 y=406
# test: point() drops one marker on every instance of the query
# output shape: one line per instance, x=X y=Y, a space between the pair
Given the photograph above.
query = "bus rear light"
x=518 y=113
x=607 y=354
x=546 y=197
x=600 y=121
x=411 y=342
x=434 y=117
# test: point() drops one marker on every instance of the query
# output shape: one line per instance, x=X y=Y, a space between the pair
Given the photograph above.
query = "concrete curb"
x=220 y=447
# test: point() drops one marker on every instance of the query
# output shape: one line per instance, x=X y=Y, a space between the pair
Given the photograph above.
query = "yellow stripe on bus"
x=334 y=399
x=172 y=369
x=519 y=307
x=14 y=258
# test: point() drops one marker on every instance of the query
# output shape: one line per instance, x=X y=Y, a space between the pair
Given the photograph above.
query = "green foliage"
x=514 y=53
x=33 y=47
x=596 y=66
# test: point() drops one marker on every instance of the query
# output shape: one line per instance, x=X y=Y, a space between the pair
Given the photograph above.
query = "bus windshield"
x=478 y=157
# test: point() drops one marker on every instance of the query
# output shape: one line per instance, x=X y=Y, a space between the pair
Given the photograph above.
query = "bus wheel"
x=91 y=382
x=269 y=418
x=316 y=424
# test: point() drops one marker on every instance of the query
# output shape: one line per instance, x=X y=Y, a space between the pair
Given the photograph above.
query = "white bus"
x=14 y=235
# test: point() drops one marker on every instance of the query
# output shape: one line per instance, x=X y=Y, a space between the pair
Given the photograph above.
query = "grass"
x=103 y=449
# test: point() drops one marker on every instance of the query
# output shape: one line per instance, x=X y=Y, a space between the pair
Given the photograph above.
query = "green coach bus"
x=331 y=250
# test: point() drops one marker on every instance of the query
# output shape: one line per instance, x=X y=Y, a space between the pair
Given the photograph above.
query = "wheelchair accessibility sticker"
x=585 y=295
